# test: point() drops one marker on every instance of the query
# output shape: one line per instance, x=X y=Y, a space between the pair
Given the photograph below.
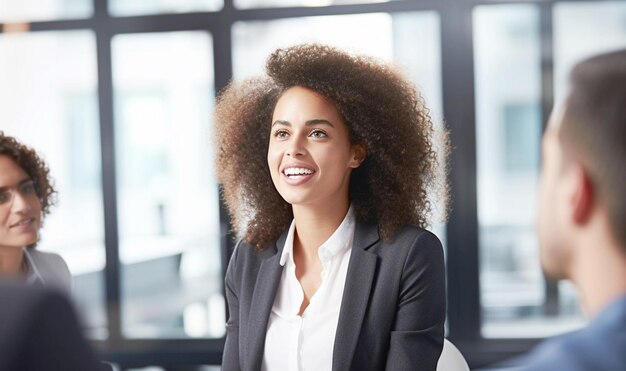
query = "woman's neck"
x=315 y=225
x=11 y=261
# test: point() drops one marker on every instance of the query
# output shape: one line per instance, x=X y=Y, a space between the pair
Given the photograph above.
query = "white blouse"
x=302 y=343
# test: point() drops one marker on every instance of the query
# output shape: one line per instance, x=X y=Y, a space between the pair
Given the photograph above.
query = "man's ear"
x=582 y=196
x=358 y=155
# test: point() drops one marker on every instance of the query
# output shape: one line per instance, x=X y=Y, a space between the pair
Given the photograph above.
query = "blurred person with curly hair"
x=328 y=169
x=26 y=196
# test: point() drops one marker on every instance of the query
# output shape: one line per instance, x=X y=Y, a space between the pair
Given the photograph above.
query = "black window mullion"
x=547 y=59
x=109 y=189
x=462 y=229
x=222 y=51
x=109 y=184
x=223 y=71
x=551 y=304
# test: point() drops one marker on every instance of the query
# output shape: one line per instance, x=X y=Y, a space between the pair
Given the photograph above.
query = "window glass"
x=144 y=7
x=168 y=210
x=158 y=368
x=411 y=40
x=583 y=29
x=44 y=10
x=254 y=41
x=515 y=298
x=48 y=100
x=246 y=4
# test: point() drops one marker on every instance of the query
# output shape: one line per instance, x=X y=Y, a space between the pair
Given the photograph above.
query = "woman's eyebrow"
x=319 y=122
x=26 y=181
x=20 y=183
x=281 y=122
x=311 y=122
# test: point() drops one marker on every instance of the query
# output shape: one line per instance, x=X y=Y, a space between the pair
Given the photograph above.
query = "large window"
x=44 y=10
x=48 y=99
x=144 y=7
x=168 y=210
x=118 y=97
x=582 y=29
x=247 y=4
x=514 y=298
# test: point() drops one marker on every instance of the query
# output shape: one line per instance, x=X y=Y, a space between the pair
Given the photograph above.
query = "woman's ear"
x=358 y=155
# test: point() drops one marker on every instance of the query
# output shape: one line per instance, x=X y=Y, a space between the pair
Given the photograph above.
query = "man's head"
x=584 y=163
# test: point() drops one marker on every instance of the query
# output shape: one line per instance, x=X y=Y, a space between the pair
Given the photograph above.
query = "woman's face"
x=20 y=209
x=310 y=156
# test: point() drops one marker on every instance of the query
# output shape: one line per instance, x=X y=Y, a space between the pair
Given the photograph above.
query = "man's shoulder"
x=601 y=346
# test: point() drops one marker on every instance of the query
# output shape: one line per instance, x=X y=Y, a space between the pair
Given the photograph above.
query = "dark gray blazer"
x=40 y=331
x=392 y=312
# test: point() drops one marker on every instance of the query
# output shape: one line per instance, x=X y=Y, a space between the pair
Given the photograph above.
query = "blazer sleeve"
x=417 y=337
x=230 y=358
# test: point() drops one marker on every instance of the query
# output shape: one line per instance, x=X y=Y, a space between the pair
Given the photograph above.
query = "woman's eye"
x=318 y=134
x=4 y=197
x=28 y=188
x=280 y=134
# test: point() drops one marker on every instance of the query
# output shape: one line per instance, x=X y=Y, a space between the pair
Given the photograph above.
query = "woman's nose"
x=296 y=147
x=20 y=203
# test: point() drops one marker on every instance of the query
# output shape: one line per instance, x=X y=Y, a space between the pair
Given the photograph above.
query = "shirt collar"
x=32 y=274
x=337 y=242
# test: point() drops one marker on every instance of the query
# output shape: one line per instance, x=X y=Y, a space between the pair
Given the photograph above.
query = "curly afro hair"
x=383 y=111
x=26 y=158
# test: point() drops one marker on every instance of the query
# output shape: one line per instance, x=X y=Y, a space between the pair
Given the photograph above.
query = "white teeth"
x=297 y=171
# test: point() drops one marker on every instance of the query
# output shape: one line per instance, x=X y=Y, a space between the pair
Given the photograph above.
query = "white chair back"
x=451 y=358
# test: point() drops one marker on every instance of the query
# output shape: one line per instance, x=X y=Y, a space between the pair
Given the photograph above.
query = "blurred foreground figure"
x=39 y=332
x=582 y=215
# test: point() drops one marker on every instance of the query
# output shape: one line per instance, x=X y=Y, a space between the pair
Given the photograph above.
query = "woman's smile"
x=297 y=174
x=22 y=223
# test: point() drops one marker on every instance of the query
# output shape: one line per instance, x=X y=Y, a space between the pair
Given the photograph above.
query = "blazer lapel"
x=356 y=292
x=265 y=289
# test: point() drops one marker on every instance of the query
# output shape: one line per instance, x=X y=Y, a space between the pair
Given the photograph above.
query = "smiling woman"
x=328 y=170
x=26 y=195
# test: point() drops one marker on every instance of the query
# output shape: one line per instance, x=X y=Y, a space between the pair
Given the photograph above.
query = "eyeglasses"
x=26 y=189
